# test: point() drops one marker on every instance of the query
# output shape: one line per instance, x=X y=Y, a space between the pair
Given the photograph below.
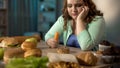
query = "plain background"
x=111 y=11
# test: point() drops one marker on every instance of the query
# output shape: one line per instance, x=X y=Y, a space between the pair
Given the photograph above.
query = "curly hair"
x=91 y=14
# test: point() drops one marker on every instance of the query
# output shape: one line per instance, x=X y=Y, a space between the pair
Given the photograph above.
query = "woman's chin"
x=74 y=17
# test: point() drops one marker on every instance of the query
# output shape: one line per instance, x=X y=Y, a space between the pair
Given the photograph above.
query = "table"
x=45 y=49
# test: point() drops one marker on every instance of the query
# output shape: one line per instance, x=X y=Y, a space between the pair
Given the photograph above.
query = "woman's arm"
x=57 y=27
x=93 y=34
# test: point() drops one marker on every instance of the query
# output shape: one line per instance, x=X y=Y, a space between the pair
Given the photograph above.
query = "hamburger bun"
x=28 y=45
x=12 y=53
x=33 y=52
x=8 y=42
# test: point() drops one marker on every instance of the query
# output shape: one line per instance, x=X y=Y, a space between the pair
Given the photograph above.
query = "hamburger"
x=9 y=42
x=10 y=53
x=21 y=39
x=28 y=45
x=33 y=52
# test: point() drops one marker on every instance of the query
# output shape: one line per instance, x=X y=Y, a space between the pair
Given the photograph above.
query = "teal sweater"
x=88 y=38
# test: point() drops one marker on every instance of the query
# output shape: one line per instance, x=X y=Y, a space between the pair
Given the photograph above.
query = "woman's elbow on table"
x=87 y=47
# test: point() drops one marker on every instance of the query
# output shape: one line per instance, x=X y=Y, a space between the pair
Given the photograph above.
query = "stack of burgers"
x=30 y=48
x=25 y=49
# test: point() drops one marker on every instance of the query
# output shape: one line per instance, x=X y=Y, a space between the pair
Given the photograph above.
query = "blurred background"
x=26 y=17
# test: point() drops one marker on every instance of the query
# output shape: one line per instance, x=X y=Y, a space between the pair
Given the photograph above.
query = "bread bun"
x=21 y=39
x=33 y=52
x=1 y=38
x=87 y=58
x=28 y=45
x=63 y=50
x=11 y=53
x=9 y=41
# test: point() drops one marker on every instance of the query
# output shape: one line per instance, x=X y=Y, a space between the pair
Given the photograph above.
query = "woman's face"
x=74 y=7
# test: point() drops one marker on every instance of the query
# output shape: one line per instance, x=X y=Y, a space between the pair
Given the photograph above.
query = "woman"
x=81 y=24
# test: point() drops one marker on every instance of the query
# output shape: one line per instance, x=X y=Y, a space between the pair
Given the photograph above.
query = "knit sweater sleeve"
x=57 y=27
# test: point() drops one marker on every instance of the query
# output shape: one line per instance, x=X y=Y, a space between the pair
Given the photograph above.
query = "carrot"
x=56 y=36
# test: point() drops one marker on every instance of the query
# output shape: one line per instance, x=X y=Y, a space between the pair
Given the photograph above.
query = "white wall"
x=111 y=11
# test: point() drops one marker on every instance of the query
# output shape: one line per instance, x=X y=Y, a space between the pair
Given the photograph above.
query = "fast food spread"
x=30 y=55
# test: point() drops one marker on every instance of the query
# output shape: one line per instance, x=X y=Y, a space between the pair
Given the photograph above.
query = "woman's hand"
x=82 y=15
x=80 y=21
x=52 y=43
